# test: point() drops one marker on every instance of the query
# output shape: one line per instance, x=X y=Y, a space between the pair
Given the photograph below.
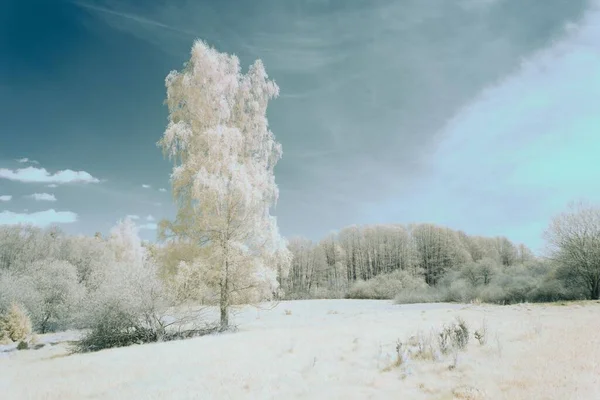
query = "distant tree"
x=337 y=278
x=506 y=250
x=124 y=240
x=487 y=270
x=524 y=254
x=224 y=155
x=48 y=289
x=574 y=243
x=23 y=244
x=439 y=249
x=59 y=293
x=88 y=255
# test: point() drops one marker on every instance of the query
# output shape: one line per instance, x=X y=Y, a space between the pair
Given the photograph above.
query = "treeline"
x=425 y=263
x=360 y=253
x=121 y=288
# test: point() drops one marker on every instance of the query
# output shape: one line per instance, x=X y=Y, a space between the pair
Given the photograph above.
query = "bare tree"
x=574 y=243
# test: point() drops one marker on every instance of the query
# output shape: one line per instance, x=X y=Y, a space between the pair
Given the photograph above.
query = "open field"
x=334 y=349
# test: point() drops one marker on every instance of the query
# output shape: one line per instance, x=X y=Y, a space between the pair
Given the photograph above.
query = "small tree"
x=126 y=302
x=58 y=293
x=15 y=324
x=224 y=154
x=574 y=243
x=48 y=289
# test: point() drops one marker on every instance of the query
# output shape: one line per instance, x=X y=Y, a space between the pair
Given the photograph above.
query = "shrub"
x=15 y=324
x=386 y=286
x=326 y=293
x=460 y=291
x=424 y=347
x=532 y=282
x=129 y=306
x=114 y=326
x=481 y=334
x=460 y=335
x=415 y=296
x=453 y=336
x=48 y=289
x=23 y=345
x=59 y=292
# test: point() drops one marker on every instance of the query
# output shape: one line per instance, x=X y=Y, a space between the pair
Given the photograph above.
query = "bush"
x=460 y=291
x=15 y=324
x=492 y=294
x=48 y=289
x=114 y=326
x=532 y=282
x=59 y=292
x=128 y=307
x=386 y=286
x=424 y=295
x=23 y=345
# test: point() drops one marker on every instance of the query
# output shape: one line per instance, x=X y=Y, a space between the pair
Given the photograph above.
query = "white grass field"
x=333 y=349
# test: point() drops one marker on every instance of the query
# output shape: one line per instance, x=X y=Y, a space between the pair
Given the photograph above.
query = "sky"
x=479 y=115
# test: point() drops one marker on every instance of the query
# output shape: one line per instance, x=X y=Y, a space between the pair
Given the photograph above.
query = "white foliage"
x=224 y=158
x=125 y=241
x=132 y=289
x=49 y=290
x=90 y=255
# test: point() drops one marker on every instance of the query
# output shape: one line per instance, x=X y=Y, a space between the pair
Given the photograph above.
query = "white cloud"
x=26 y=160
x=33 y=174
x=52 y=185
x=162 y=190
x=146 y=186
x=40 y=218
x=5 y=198
x=133 y=216
x=42 y=197
x=148 y=226
x=149 y=218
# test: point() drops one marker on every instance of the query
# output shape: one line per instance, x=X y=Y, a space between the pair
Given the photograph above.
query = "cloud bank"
x=522 y=149
x=41 y=218
x=40 y=175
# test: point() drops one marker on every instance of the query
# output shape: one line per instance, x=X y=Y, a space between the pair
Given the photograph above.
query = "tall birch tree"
x=223 y=177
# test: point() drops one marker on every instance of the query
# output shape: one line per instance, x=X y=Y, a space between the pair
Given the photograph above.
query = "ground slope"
x=334 y=349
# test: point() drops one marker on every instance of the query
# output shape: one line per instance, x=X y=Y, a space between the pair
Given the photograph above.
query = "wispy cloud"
x=27 y=160
x=40 y=175
x=5 y=198
x=41 y=218
x=133 y=216
x=146 y=186
x=52 y=185
x=162 y=190
x=132 y=17
x=149 y=218
x=42 y=197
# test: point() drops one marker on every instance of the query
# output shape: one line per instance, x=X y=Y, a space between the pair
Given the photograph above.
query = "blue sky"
x=478 y=115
